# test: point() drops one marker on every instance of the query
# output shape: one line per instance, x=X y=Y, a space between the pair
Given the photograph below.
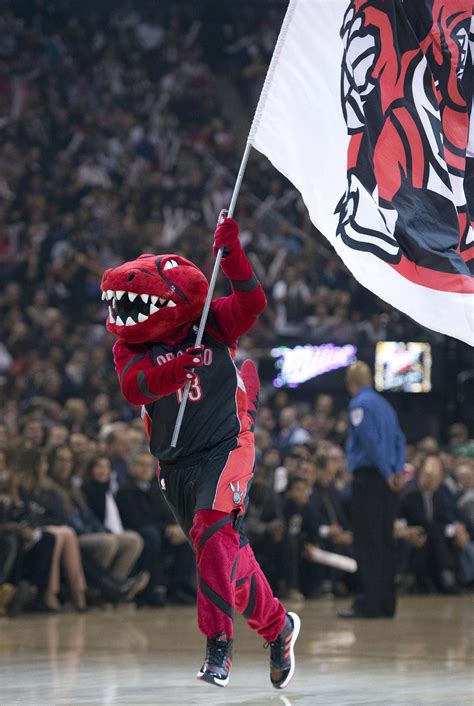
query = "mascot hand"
x=226 y=235
x=184 y=364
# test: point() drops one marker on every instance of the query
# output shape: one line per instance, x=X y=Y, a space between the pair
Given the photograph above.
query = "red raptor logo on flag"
x=407 y=88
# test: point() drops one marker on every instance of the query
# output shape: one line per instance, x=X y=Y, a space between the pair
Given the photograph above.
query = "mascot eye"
x=169 y=264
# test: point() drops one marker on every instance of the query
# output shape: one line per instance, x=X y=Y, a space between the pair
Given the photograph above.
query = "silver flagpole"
x=210 y=293
x=238 y=183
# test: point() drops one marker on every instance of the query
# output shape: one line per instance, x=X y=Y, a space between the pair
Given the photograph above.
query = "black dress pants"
x=37 y=562
x=373 y=510
x=9 y=547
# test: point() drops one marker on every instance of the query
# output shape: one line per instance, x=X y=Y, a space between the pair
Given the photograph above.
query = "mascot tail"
x=249 y=375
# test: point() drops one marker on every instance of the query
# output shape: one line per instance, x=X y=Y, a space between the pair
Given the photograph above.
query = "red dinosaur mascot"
x=155 y=303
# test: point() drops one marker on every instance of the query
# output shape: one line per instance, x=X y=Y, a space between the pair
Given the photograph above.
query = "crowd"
x=83 y=521
x=117 y=137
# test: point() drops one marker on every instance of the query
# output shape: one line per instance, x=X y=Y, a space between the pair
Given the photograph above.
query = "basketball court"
x=124 y=656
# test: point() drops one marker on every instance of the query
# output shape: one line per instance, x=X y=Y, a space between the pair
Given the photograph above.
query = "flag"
x=366 y=108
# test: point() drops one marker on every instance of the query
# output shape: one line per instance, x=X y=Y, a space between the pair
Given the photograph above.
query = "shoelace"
x=276 y=648
x=217 y=653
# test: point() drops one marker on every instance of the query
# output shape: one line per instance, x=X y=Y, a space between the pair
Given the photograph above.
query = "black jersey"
x=212 y=419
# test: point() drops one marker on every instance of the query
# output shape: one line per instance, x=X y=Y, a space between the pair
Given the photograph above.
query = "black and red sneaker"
x=282 y=652
x=218 y=662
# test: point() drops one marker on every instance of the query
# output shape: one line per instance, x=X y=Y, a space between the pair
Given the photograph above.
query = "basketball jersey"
x=215 y=411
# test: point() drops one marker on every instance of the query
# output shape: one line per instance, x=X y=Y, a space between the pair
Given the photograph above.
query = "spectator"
x=125 y=547
x=265 y=528
x=300 y=529
x=31 y=555
x=333 y=531
x=29 y=467
x=292 y=298
x=166 y=554
x=465 y=478
x=101 y=548
x=458 y=436
x=290 y=433
x=439 y=537
x=117 y=451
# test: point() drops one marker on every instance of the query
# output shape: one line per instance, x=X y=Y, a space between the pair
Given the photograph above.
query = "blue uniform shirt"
x=375 y=437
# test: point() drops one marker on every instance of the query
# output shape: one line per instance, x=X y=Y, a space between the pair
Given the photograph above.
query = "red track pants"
x=230 y=578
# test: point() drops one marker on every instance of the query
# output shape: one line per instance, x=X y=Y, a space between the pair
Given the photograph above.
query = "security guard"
x=375 y=457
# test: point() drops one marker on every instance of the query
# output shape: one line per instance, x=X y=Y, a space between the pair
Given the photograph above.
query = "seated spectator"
x=29 y=467
x=58 y=434
x=291 y=433
x=465 y=504
x=30 y=549
x=465 y=477
x=117 y=450
x=125 y=546
x=458 y=437
x=264 y=527
x=99 y=547
x=300 y=529
x=8 y=554
x=166 y=554
x=333 y=530
x=439 y=537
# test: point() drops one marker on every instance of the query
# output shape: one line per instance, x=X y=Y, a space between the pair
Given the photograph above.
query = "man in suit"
x=166 y=554
x=375 y=457
x=426 y=504
x=333 y=530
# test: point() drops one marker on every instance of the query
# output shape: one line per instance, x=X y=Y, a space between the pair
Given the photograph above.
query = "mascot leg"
x=254 y=598
x=216 y=544
x=265 y=614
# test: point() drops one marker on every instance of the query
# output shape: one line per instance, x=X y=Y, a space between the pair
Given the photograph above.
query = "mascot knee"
x=213 y=532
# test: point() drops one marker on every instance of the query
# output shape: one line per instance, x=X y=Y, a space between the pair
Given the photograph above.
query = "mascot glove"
x=185 y=363
x=226 y=236
x=234 y=261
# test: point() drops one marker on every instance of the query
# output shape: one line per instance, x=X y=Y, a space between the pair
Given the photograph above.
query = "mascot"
x=154 y=306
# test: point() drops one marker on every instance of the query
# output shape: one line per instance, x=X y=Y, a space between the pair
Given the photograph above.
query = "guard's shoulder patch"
x=356 y=415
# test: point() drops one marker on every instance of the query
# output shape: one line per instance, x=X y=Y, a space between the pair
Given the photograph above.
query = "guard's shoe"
x=218 y=662
x=282 y=652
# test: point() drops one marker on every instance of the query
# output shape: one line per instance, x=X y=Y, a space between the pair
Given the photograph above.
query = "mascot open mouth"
x=152 y=296
x=131 y=308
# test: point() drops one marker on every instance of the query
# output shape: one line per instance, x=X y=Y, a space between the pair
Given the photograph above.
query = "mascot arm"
x=142 y=382
x=237 y=313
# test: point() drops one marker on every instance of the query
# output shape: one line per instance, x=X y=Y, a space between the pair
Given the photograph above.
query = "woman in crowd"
x=30 y=467
x=31 y=548
x=123 y=548
x=102 y=551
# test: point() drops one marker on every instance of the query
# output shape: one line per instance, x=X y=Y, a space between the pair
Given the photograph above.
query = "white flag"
x=366 y=110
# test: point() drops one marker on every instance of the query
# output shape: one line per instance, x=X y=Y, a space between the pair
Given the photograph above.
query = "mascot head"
x=153 y=297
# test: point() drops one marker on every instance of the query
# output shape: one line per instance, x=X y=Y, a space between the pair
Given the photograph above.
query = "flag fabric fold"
x=368 y=109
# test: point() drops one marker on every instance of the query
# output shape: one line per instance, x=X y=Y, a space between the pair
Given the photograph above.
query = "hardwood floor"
x=423 y=657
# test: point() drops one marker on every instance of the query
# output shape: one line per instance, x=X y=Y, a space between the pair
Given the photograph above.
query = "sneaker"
x=218 y=662
x=282 y=653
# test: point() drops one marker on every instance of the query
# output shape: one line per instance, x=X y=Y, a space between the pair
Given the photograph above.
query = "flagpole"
x=210 y=293
x=233 y=201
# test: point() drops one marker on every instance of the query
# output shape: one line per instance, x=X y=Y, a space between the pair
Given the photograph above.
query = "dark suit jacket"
x=412 y=507
x=327 y=506
x=143 y=508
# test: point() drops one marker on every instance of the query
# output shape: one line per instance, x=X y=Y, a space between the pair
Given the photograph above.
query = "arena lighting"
x=302 y=363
